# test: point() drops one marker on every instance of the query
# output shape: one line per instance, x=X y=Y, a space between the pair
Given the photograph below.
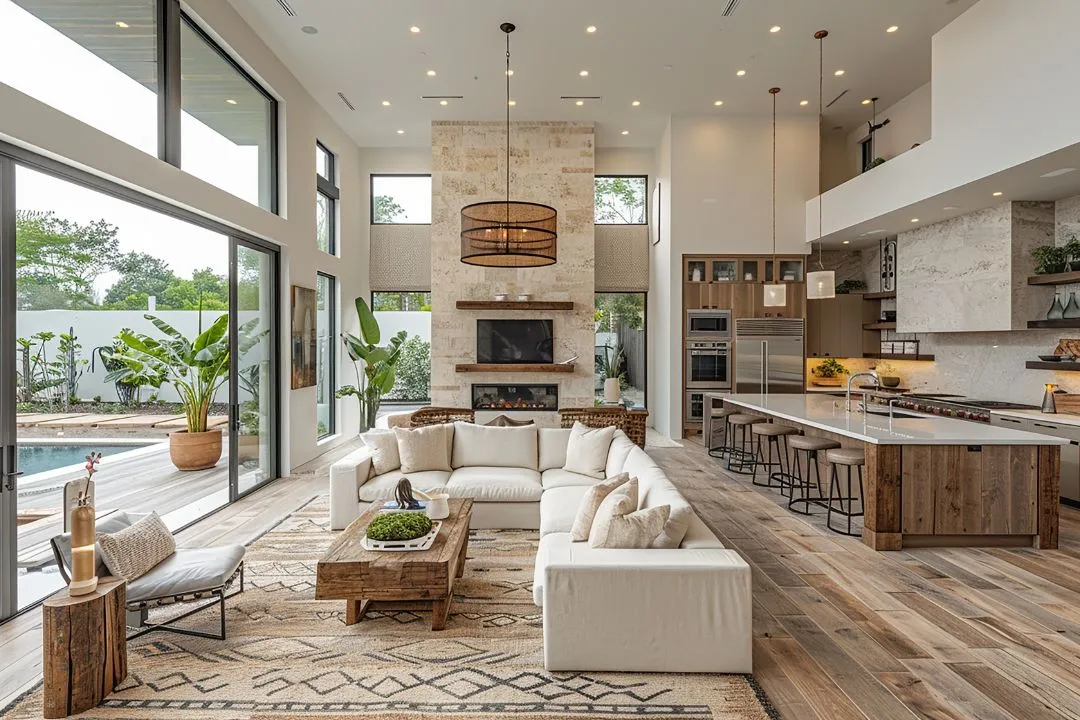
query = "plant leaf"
x=369 y=326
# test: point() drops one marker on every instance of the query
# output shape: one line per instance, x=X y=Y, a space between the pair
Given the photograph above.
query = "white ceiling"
x=674 y=56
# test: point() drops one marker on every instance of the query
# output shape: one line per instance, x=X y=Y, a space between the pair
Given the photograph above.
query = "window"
x=411 y=312
x=228 y=127
x=98 y=64
x=326 y=197
x=621 y=199
x=400 y=199
x=326 y=352
x=866 y=149
x=621 y=344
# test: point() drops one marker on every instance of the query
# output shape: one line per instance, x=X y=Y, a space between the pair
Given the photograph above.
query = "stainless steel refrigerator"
x=769 y=355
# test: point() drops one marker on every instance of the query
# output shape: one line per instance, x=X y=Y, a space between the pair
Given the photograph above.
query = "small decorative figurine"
x=404 y=495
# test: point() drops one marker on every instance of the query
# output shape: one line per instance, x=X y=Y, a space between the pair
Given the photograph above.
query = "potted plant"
x=379 y=363
x=196 y=369
x=829 y=372
x=1050 y=259
x=611 y=370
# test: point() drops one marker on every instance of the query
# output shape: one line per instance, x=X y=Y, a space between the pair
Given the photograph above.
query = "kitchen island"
x=934 y=481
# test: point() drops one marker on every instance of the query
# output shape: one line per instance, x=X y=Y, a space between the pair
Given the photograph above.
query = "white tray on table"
x=420 y=543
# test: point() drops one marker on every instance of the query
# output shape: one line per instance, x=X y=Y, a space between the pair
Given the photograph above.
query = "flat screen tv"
x=514 y=341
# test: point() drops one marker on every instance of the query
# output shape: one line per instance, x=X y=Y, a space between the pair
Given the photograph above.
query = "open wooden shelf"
x=898 y=356
x=1055 y=279
x=880 y=326
x=506 y=368
x=1060 y=365
x=1054 y=324
x=887 y=295
x=513 y=305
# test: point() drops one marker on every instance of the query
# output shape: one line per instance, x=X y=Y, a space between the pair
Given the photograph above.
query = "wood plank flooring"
x=840 y=631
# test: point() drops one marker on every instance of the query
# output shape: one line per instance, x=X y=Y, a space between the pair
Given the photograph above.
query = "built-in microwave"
x=708 y=325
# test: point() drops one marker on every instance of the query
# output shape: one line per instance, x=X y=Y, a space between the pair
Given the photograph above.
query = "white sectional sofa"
x=684 y=609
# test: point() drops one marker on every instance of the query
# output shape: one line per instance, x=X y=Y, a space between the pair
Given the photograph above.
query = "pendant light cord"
x=820 y=35
x=507 y=230
x=776 y=270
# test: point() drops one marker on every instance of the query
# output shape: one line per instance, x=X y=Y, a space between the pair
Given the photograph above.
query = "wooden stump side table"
x=84 y=648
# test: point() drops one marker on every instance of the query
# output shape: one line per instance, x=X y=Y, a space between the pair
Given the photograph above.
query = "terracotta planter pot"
x=195 y=451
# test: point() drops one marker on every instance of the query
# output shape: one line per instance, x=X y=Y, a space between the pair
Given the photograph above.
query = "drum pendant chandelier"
x=508 y=234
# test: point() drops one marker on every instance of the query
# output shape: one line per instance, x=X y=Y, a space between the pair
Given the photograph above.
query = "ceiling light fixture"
x=838 y=73
x=718 y=103
x=845 y=242
x=914 y=220
x=740 y=73
x=444 y=102
x=386 y=103
x=804 y=103
x=512 y=103
x=1059 y=172
x=584 y=73
x=414 y=30
x=867 y=101
x=510 y=72
x=775 y=29
x=591 y=29
x=998 y=194
x=431 y=73
x=775 y=292
x=309 y=30
x=892 y=29
x=579 y=103
x=231 y=101
x=121 y=24
x=637 y=103
x=509 y=234
x=400 y=132
x=625 y=132
x=820 y=284
x=950 y=207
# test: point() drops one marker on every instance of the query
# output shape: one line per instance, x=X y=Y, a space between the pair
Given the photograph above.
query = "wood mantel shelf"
x=507 y=368
x=514 y=305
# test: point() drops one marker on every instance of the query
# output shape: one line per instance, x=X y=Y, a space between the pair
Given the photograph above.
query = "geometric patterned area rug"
x=290 y=656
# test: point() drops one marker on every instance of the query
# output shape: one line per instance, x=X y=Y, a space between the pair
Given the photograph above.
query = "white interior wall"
x=665 y=384
x=909 y=123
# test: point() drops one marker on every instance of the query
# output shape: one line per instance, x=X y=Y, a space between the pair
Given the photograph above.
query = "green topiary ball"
x=399 y=526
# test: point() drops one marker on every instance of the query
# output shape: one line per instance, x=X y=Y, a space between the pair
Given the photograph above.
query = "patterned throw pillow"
x=617 y=525
x=590 y=503
x=134 y=551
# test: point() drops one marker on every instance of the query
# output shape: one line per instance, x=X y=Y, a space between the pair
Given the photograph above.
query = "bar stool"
x=770 y=434
x=849 y=458
x=718 y=451
x=811 y=446
x=740 y=453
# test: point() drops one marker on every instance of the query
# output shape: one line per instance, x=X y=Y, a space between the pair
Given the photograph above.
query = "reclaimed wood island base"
x=933 y=481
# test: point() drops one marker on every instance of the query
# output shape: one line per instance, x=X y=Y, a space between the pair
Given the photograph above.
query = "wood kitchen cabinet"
x=834 y=327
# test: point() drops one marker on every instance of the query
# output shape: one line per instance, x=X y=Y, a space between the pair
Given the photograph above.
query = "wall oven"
x=708 y=325
x=708 y=365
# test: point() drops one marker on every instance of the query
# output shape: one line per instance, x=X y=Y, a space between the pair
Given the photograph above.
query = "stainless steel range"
x=957 y=406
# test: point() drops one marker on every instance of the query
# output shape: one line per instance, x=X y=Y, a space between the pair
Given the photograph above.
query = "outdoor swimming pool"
x=38 y=458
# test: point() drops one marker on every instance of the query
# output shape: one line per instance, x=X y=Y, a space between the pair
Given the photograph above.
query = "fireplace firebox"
x=515 y=397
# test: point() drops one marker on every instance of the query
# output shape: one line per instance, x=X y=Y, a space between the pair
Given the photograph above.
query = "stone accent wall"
x=551 y=163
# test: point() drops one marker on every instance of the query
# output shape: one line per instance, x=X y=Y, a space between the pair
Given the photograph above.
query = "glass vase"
x=1072 y=308
x=1056 y=311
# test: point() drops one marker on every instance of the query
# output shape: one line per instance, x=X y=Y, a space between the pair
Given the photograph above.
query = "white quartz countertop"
x=1052 y=418
x=827 y=413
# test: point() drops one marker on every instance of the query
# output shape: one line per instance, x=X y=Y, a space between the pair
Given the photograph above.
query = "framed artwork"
x=302 y=338
x=656 y=213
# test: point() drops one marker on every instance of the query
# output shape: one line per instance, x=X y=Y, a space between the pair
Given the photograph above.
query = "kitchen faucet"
x=851 y=379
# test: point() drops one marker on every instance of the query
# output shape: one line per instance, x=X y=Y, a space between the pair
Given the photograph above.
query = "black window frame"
x=331 y=311
x=371 y=297
x=629 y=176
x=644 y=326
x=866 y=152
x=371 y=201
x=327 y=187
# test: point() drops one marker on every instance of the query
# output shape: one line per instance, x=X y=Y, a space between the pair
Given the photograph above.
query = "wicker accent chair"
x=439 y=415
x=631 y=422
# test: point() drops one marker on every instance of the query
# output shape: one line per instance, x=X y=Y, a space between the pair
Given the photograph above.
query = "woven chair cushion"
x=133 y=551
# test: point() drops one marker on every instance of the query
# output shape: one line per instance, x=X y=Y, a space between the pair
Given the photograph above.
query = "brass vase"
x=83 y=561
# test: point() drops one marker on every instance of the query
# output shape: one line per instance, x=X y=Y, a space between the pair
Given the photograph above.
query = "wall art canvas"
x=302 y=338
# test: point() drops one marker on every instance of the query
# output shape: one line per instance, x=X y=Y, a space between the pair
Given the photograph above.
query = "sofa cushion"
x=620 y=448
x=557 y=477
x=587 y=450
x=554 y=546
x=133 y=551
x=553 y=447
x=384 y=451
x=381 y=487
x=187 y=571
x=558 y=508
x=699 y=536
x=654 y=489
x=495 y=484
x=590 y=503
x=425 y=448
x=484 y=446
x=632 y=530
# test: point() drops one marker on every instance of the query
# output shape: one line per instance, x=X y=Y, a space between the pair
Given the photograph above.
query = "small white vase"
x=438 y=507
x=612 y=392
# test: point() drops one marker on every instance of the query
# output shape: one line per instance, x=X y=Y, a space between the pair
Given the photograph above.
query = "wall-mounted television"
x=514 y=341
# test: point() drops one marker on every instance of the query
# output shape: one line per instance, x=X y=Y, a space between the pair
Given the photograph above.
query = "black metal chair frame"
x=834 y=482
x=764 y=457
x=740 y=460
x=805 y=485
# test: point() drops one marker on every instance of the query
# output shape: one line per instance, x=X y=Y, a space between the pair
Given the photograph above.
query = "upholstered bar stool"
x=721 y=415
x=848 y=458
x=740 y=451
x=800 y=487
x=769 y=446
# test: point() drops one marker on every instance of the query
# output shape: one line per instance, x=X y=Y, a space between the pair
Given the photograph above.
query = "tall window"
x=401 y=199
x=326 y=197
x=325 y=367
x=411 y=312
x=621 y=344
x=621 y=199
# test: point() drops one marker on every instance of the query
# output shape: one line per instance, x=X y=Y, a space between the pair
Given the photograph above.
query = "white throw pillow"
x=134 y=551
x=619 y=525
x=384 y=451
x=587 y=450
x=425 y=448
x=486 y=446
x=590 y=503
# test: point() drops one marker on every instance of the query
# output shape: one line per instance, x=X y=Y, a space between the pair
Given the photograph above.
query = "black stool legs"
x=841 y=509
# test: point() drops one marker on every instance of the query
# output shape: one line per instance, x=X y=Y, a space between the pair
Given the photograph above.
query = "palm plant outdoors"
x=378 y=375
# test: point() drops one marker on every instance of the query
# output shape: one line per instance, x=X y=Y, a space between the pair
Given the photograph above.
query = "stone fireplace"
x=515 y=397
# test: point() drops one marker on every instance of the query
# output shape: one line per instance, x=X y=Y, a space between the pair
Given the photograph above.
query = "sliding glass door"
x=83 y=265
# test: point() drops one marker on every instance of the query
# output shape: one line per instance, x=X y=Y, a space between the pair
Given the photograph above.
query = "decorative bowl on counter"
x=1054 y=358
x=889 y=381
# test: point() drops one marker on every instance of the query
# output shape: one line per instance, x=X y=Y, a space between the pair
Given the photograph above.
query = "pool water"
x=42 y=458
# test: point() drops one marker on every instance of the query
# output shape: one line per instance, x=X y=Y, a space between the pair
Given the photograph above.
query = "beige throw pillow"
x=619 y=525
x=587 y=450
x=384 y=451
x=425 y=448
x=134 y=551
x=590 y=503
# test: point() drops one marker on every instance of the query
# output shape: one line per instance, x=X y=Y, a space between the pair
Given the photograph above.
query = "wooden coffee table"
x=359 y=577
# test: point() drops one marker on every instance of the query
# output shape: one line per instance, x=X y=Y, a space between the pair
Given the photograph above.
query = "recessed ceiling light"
x=867 y=101
x=400 y=132
x=1059 y=172
x=998 y=194
x=579 y=103
x=584 y=73
x=805 y=102
x=309 y=30
x=230 y=101
x=740 y=73
x=591 y=29
x=414 y=29
x=838 y=73
x=718 y=103
x=625 y=132
x=775 y=29
x=950 y=207
x=386 y=103
x=892 y=28
x=509 y=72
x=512 y=103
x=914 y=220
x=447 y=102
x=431 y=73
x=121 y=24
x=636 y=103
x=847 y=242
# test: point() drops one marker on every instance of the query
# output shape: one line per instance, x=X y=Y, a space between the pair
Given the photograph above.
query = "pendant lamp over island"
x=505 y=233
x=776 y=292
x=820 y=284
